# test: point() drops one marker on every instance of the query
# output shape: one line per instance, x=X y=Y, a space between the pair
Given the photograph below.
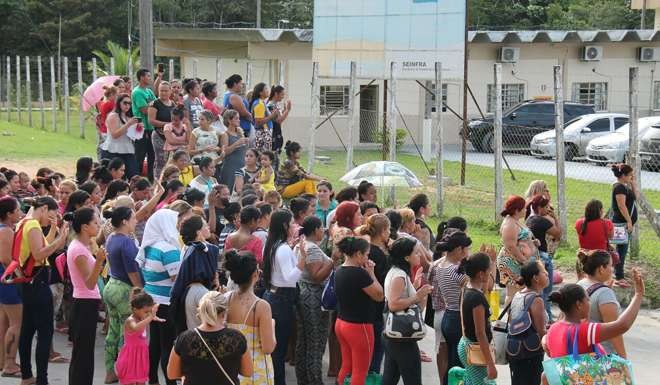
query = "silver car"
x=613 y=148
x=649 y=148
x=577 y=134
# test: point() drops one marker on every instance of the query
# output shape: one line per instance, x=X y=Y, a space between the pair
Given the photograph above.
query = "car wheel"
x=570 y=151
x=487 y=144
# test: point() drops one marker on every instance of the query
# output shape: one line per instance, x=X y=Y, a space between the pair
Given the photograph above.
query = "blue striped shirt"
x=161 y=265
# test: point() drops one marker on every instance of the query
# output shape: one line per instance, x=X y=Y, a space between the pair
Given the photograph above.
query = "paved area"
x=642 y=343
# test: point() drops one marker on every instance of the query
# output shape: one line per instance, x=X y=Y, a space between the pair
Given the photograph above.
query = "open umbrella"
x=94 y=93
x=381 y=174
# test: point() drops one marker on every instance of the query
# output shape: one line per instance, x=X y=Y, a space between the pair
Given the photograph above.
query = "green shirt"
x=141 y=98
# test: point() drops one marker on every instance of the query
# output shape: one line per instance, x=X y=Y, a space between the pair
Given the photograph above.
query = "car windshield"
x=566 y=124
x=625 y=129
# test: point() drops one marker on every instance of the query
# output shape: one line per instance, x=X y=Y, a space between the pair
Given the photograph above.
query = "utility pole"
x=643 y=22
x=146 y=35
x=258 y=13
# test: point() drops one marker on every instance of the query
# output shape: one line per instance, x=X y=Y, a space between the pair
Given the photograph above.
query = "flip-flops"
x=16 y=374
x=58 y=359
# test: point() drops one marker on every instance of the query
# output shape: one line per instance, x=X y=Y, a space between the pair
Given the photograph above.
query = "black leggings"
x=527 y=371
x=161 y=339
x=402 y=361
x=82 y=327
x=37 y=319
x=144 y=147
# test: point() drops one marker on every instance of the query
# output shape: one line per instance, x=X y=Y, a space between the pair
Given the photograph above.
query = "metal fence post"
x=81 y=117
x=316 y=110
x=94 y=76
x=497 y=153
x=352 y=114
x=391 y=114
x=8 y=88
x=559 y=135
x=282 y=73
x=218 y=70
x=18 y=88
x=67 y=123
x=129 y=70
x=171 y=71
x=248 y=77
x=40 y=80
x=633 y=156
x=194 y=69
x=28 y=90
x=112 y=66
x=439 y=161
x=53 y=94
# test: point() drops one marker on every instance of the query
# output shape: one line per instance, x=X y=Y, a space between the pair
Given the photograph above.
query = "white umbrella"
x=381 y=174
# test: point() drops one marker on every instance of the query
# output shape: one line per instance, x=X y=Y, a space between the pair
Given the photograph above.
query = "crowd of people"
x=207 y=258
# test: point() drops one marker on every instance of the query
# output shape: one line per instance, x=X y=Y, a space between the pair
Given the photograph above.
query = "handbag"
x=329 y=296
x=620 y=233
x=610 y=249
x=500 y=331
x=590 y=368
x=214 y=357
x=523 y=341
x=475 y=356
x=406 y=324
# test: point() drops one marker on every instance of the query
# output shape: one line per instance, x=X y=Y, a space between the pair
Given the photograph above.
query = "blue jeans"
x=282 y=304
x=549 y=267
x=618 y=268
x=377 y=358
x=451 y=329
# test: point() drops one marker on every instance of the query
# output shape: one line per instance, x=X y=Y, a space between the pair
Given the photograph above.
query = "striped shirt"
x=450 y=281
x=161 y=265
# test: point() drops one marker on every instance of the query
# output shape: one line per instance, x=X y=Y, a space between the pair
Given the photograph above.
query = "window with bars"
x=512 y=94
x=656 y=95
x=591 y=93
x=430 y=98
x=334 y=98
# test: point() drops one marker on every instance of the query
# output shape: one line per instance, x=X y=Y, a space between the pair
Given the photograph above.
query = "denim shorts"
x=9 y=293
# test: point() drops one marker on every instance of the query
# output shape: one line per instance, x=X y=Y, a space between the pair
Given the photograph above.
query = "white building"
x=595 y=64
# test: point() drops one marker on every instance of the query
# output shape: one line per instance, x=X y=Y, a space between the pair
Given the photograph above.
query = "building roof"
x=181 y=31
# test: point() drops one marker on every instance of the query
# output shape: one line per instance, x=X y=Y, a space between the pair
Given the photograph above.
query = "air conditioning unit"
x=649 y=54
x=592 y=53
x=509 y=54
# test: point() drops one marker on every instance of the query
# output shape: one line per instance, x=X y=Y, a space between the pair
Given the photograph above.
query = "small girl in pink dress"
x=132 y=365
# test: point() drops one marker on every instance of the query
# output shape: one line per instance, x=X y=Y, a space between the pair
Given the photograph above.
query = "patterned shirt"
x=289 y=173
x=162 y=264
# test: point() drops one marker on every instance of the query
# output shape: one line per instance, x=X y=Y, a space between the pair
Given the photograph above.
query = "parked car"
x=649 y=148
x=521 y=123
x=577 y=134
x=613 y=148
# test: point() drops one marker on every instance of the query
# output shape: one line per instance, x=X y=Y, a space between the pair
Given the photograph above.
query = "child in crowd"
x=266 y=175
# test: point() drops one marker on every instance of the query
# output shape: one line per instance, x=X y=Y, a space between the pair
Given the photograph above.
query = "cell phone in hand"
x=160 y=67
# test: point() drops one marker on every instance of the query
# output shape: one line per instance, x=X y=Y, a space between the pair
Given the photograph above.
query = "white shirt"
x=285 y=271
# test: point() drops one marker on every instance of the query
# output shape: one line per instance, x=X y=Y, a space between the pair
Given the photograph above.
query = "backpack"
x=15 y=273
x=522 y=340
x=329 y=296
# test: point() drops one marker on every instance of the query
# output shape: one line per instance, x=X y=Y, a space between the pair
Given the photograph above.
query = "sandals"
x=16 y=374
x=58 y=359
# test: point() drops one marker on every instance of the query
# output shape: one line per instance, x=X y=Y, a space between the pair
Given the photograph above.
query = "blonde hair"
x=69 y=183
x=375 y=225
x=180 y=206
x=211 y=306
x=407 y=215
x=227 y=116
x=536 y=187
x=108 y=91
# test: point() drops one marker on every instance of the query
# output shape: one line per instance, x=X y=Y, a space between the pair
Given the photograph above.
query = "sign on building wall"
x=414 y=33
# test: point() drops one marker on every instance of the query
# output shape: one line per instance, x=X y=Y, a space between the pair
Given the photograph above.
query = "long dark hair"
x=118 y=101
x=256 y=91
x=400 y=250
x=591 y=213
x=84 y=167
x=275 y=90
x=278 y=232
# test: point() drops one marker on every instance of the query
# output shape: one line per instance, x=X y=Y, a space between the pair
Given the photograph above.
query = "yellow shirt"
x=187 y=175
x=25 y=252
x=270 y=184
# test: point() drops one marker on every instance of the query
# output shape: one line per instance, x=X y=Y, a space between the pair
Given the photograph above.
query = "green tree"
x=121 y=56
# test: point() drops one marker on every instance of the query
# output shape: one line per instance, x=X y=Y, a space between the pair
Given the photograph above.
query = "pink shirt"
x=208 y=104
x=80 y=289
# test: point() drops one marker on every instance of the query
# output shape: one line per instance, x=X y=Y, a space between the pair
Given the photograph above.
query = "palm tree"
x=121 y=56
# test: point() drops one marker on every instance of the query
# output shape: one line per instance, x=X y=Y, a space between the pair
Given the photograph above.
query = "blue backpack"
x=329 y=296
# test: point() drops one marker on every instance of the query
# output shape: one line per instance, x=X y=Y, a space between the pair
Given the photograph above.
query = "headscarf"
x=161 y=226
x=198 y=265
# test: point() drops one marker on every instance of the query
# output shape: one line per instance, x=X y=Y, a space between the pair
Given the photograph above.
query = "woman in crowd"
x=84 y=167
x=117 y=168
x=204 y=141
x=402 y=358
x=233 y=100
x=177 y=133
x=311 y=320
x=275 y=105
x=244 y=239
x=527 y=364
x=159 y=115
x=593 y=230
x=292 y=179
x=575 y=305
x=197 y=274
x=231 y=213
x=209 y=94
x=325 y=202
x=193 y=103
x=512 y=231
x=195 y=198
x=301 y=209
x=234 y=145
x=395 y=223
x=247 y=174
x=104 y=107
x=115 y=189
x=37 y=297
x=118 y=144
x=84 y=269
x=624 y=211
x=176 y=95
x=367 y=192
x=94 y=191
x=181 y=160
x=347 y=194
x=447 y=282
x=545 y=226
x=161 y=248
x=475 y=315
x=263 y=117
x=67 y=187
x=226 y=347
x=604 y=306
x=282 y=270
x=173 y=191
x=537 y=187
x=205 y=181
x=421 y=206
x=101 y=176
x=124 y=275
x=11 y=308
x=356 y=288
x=251 y=316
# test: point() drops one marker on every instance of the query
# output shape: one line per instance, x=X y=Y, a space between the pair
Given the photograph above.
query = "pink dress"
x=133 y=361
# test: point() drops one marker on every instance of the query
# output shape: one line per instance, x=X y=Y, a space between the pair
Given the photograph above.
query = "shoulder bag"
x=406 y=325
x=475 y=357
x=329 y=296
x=500 y=331
x=214 y=357
x=620 y=234
x=611 y=250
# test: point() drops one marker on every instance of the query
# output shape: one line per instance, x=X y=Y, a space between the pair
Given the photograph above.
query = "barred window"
x=334 y=98
x=430 y=98
x=656 y=95
x=591 y=93
x=512 y=95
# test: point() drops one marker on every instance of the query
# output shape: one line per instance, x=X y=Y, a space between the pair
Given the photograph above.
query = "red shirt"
x=588 y=335
x=105 y=107
x=596 y=236
x=209 y=105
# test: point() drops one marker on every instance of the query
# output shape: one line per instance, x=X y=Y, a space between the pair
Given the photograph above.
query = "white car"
x=577 y=134
x=613 y=148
